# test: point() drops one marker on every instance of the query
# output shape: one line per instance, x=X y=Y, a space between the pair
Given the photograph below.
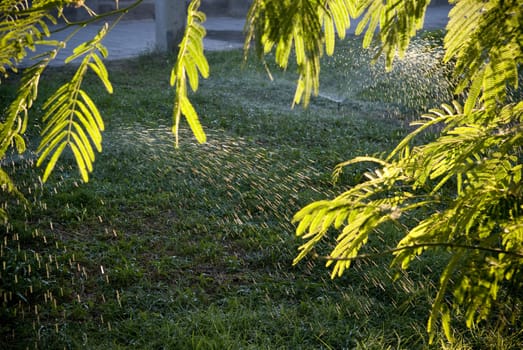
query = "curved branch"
x=425 y=245
x=98 y=17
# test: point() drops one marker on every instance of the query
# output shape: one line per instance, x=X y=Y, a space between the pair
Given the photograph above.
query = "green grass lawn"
x=192 y=248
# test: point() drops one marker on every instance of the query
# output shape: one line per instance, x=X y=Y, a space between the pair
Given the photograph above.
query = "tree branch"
x=518 y=255
x=98 y=17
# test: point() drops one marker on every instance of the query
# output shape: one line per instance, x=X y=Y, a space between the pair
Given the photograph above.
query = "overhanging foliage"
x=466 y=184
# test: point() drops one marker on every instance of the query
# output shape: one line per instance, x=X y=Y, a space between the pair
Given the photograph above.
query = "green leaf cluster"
x=463 y=189
x=461 y=193
x=398 y=21
x=72 y=120
x=309 y=28
x=297 y=25
x=71 y=117
x=22 y=29
x=485 y=39
x=190 y=63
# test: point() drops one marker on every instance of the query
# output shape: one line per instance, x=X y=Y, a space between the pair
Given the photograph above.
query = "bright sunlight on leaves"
x=191 y=62
x=459 y=194
x=71 y=118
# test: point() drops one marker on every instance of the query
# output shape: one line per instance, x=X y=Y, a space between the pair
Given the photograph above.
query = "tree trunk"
x=170 y=17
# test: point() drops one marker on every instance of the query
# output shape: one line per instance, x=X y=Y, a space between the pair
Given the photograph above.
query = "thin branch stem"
x=99 y=17
x=426 y=245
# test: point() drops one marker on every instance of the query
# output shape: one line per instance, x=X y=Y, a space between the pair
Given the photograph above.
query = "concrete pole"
x=170 y=17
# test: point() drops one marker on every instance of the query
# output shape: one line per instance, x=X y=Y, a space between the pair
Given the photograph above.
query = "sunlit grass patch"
x=193 y=247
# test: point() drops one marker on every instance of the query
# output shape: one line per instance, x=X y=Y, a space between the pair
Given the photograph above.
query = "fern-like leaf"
x=484 y=38
x=287 y=25
x=480 y=151
x=398 y=22
x=22 y=27
x=20 y=30
x=72 y=119
x=336 y=17
x=190 y=63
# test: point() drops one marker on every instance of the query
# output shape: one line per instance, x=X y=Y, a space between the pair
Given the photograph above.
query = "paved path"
x=133 y=37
